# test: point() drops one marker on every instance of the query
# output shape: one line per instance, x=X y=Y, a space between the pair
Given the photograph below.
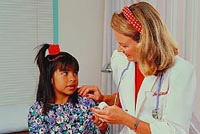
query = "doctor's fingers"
x=109 y=113
x=100 y=113
x=97 y=98
x=104 y=119
x=96 y=120
x=87 y=89
x=91 y=92
x=101 y=125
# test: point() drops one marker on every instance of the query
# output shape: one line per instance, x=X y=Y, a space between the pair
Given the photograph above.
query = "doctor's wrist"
x=136 y=124
x=101 y=98
x=131 y=122
x=109 y=99
x=139 y=126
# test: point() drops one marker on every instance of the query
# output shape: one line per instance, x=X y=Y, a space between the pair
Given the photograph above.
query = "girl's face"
x=126 y=45
x=65 y=84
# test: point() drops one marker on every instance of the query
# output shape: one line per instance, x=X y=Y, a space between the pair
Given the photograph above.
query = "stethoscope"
x=156 y=113
x=120 y=79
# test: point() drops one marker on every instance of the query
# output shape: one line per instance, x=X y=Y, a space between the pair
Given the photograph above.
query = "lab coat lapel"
x=147 y=85
x=126 y=90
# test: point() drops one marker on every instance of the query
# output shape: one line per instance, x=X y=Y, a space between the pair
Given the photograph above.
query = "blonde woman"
x=156 y=87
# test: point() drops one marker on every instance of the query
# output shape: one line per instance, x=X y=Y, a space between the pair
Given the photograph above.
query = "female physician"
x=156 y=87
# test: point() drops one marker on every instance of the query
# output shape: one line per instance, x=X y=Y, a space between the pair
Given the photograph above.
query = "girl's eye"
x=64 y=73
x=75 y=73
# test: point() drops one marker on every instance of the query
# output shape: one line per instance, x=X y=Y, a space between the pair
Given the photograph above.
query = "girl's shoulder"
x=35 y=106
x=86 y=101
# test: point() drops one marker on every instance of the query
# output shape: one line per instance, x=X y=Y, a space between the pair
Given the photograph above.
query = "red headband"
x=54 y=49
x=131 y=19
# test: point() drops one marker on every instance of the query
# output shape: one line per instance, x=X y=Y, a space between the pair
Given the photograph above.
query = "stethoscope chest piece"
x=156 y=114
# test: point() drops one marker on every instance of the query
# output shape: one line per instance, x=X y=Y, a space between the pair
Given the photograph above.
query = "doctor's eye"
x=125 y=47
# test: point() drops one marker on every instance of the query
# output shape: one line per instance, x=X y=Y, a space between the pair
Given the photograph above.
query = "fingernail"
x=91 y=109
x=92 y=117
x=86 y=95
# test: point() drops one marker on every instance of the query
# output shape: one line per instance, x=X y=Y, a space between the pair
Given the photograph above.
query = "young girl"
x=58 y=107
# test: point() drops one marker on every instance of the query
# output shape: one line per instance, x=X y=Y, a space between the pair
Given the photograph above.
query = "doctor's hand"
x=91 y=92
x=111 y=114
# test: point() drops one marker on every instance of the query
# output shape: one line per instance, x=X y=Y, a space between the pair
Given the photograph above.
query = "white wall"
x=81 y=34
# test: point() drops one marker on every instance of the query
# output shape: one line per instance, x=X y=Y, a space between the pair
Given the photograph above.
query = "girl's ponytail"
x=42 y=64
x=41 y=58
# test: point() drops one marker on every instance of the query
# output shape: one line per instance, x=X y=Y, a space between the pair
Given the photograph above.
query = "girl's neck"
x=61 y=100
x=64 y=99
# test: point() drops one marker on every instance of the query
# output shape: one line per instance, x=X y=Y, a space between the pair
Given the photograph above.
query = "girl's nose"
x=71 y=77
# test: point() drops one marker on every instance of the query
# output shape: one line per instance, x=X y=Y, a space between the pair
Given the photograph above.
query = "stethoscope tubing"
x=120 y=79
x=158 y=92
x=158 y=88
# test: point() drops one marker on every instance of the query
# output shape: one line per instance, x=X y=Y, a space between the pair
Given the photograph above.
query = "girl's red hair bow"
x=54 y=49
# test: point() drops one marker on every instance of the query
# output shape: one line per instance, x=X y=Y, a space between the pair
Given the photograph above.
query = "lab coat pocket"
x=155 y=105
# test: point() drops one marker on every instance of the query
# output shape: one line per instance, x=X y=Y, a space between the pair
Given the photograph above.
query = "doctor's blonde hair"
x=156 y=48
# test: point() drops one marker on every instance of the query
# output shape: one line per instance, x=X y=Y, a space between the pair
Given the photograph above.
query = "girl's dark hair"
x=47 y=66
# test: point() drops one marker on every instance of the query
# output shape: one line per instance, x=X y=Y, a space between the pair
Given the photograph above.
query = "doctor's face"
x=126 y=45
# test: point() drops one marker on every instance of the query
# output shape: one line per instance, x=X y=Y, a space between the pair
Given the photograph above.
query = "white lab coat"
x=176 y=105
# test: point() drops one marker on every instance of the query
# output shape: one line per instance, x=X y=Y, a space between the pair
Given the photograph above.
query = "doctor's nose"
x=120 y=49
